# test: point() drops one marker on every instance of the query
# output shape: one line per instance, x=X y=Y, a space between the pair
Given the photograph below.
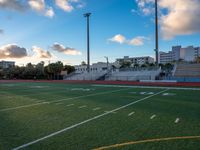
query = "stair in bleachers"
x=187 y=70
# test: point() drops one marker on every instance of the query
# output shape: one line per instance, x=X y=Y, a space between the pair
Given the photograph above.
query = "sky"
x=55 y=30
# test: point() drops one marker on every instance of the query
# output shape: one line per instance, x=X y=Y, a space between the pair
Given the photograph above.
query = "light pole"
x=156 y=31
x=87 y=15
x=106 y=61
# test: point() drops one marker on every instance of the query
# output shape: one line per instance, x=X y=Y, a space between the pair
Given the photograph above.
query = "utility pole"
x=156 y=32
x=87 y=15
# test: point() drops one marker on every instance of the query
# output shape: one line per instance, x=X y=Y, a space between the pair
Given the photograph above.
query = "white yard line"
x=114 y=112
x=97 y=108
x=65 y=99
x=130 y=114
x=86 y=121
x=82 y=106
x=25 y=106
x=70 y=105
x=147 y=87
x=58 y=103
x=152 y=117
x=177 y=120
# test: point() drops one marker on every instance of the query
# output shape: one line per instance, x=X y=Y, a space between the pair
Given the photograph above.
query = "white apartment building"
x=136 y=60
x=188 y=54
x=6 y=64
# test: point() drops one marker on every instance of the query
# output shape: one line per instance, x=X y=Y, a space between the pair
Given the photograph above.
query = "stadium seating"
x=187 y=70
x=134 y=75
x=85 y=76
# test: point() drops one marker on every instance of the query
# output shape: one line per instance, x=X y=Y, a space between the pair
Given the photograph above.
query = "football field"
x=58 y=116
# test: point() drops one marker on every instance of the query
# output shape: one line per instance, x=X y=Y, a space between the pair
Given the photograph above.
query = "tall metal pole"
x=87 y=15
x=106 y=61
x=156 y=31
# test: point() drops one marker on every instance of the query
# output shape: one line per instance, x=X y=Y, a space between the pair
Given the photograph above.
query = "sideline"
x=146 y=87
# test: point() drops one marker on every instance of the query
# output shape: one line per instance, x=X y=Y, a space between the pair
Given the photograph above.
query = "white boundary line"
x=147 y=87
x=65 y=99
x=86 y=121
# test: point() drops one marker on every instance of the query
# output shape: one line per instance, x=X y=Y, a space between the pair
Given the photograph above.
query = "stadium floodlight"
x=106 y=61
x=87 y=15
x=156 y=31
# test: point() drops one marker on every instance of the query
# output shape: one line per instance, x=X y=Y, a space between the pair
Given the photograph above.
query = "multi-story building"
x=6 y=64
x=136 y=60
x=96 y=67
x=188 y=54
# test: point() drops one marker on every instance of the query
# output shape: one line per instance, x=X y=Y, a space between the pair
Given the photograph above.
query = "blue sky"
x=131 y=20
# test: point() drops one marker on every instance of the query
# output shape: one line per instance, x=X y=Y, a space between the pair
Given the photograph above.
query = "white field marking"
x=97 y=108
x=70 y=105
x=177 y=120
x=82 y=106
x=39 y=101
x=132 y=92
x=65 y=99
x=58 y=103
x=150 y=93
x=152 y=117
x=142 y=93
x=146 y=87
x=25 y=106
x=168 y=94
x=81 y=89
x=114 y=112
x=84 y=122
x=130 y=114
x=40 y=87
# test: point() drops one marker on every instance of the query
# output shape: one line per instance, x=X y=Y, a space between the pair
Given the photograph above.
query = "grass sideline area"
x=45 y=115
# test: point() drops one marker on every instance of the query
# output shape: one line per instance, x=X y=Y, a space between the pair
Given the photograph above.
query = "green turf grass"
x=23 y=125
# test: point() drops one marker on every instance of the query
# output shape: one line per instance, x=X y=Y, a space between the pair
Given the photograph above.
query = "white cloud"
x=40 y=53
x=37 y=5
x=49 y=12
x=64 y=5
x=69 y=5
x=146 y=6
x=118 y=39
x=180 y=17
x=40 y=7
x=66 y=50
x=137 y=41
x=12 y=51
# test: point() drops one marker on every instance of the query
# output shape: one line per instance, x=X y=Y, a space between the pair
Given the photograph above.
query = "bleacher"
x=86 y=76
x=133 y=75
x=187 y=70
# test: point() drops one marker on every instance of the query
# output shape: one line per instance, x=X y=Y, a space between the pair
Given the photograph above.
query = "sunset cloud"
x=12 y=51
x=40 y=53
x=66 y=50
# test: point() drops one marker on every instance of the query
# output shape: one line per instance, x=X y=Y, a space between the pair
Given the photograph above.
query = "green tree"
x=69 y=69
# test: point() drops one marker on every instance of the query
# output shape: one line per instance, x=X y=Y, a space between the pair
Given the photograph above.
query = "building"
x=188 y=54
x=136 y=60
x=96 y=67
x=7 y=64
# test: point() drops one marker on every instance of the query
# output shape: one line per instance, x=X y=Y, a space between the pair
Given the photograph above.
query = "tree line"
x=38 y=71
